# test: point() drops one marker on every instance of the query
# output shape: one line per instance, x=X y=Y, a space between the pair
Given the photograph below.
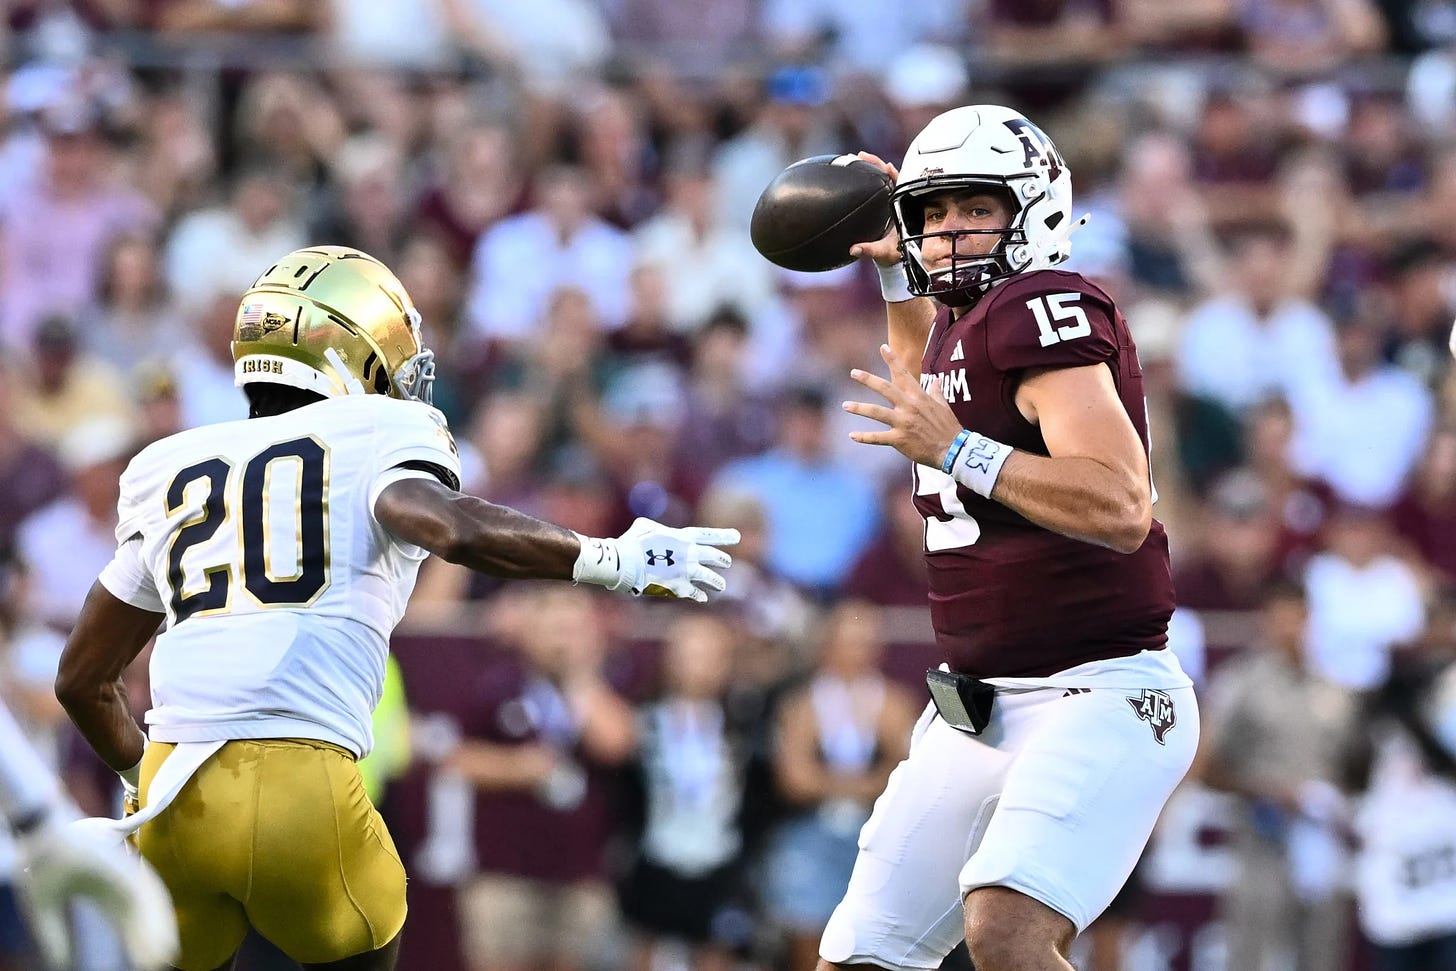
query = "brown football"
x=816 y=209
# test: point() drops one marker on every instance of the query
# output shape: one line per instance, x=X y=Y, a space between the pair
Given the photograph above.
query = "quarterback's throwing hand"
x=921 y=425
x=64 y=862
x=657 y=560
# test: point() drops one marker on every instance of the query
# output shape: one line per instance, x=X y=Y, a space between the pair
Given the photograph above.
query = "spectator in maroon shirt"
x=648 y=335
x=727 y=418
x=636 y=439
x=544 y=732
x=1426 y=515
x=1050 y=47
x=1240 y=552
x=30 y=476
x=891 y=573
x=1235 y=155
x=1299 y=505
x=479 y=184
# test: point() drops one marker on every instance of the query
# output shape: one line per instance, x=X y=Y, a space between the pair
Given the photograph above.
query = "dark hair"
x=266 y=399
x=106 y=290
x=1403 y=697
x=806 y=397
x=1284 y=589
x=727 y=318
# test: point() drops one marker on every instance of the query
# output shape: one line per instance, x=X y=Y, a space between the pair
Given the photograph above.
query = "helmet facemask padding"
x=415 y=378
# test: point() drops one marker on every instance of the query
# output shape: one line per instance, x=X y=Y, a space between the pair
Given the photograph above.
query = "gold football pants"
x=277 y=834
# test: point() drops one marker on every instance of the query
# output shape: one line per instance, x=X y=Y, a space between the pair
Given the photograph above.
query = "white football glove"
x=657 y=560
x=64 y=862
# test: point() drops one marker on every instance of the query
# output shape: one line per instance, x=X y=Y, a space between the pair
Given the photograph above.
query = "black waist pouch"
x=963 y=702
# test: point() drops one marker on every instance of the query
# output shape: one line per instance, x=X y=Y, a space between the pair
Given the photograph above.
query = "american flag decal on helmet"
x=252 y=313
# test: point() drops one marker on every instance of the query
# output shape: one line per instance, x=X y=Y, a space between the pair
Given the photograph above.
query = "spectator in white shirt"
x=522 y=260
x=790 y=125
x=63 y=545
x=55 y=229
x=708 y=266
x=1257 y=341
x=1364 y=601
x=1363 y=430
x=203 y=365
x=226 y=248
x=859 y=37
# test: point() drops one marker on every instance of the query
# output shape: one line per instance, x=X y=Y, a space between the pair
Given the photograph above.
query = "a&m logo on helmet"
x=1039 y=149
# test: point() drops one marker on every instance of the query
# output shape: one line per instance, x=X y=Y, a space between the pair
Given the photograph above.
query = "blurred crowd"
x=564 y=187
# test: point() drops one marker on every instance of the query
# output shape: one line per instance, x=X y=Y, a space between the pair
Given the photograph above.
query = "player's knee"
x=1009 y=931
x=996 y=948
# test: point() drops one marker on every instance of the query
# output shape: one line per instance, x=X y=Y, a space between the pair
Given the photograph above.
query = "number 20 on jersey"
x=251 y=497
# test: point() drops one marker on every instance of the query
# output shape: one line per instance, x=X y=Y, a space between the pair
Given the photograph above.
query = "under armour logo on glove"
x=656 y=560
x=663 y=562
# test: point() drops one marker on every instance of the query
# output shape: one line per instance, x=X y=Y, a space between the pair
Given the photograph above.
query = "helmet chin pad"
x=966 y=275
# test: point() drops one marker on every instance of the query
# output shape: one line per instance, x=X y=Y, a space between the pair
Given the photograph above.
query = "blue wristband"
x=955 y=449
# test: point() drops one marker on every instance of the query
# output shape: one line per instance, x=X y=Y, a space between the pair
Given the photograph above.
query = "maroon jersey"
x=1009 y=598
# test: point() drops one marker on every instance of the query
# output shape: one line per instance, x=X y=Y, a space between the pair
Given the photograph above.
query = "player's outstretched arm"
x=500 y=541
x=909 y=318
x=107 y=637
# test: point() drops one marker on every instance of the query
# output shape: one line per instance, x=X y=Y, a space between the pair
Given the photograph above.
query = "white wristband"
x=598 y=562
x=131 y=779
x=979 y=463
x=894 y=283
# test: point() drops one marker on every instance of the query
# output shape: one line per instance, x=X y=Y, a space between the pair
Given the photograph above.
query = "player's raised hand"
x=920 y=425
x=65 y=862
x=886 y=250
x=658 y=560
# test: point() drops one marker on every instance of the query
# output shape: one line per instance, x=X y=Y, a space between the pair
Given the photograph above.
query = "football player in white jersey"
x=280 y=551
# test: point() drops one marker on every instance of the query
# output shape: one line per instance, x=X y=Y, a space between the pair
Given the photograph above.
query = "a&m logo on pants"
x=1155 y=708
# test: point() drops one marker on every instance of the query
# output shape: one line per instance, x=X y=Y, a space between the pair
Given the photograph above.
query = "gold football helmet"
x=335 y=321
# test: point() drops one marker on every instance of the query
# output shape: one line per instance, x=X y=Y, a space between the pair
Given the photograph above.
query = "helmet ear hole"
x=381 y=381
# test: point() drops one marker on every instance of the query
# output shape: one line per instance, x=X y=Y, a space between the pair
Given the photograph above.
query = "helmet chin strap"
x=352 y=384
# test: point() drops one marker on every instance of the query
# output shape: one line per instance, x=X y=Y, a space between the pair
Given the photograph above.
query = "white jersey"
x=258 y=541
x=1405 y=872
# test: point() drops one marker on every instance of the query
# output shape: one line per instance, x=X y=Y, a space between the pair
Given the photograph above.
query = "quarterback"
x=1059 y=725
x=280 y=551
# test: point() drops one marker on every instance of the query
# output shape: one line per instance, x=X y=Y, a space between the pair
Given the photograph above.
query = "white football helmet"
x=994 y=147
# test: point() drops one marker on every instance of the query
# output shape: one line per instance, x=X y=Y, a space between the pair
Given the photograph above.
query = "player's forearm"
x=909 y=323
x=503 y=542
x=102 y=714
x=1077 y=497
x=108 y=636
